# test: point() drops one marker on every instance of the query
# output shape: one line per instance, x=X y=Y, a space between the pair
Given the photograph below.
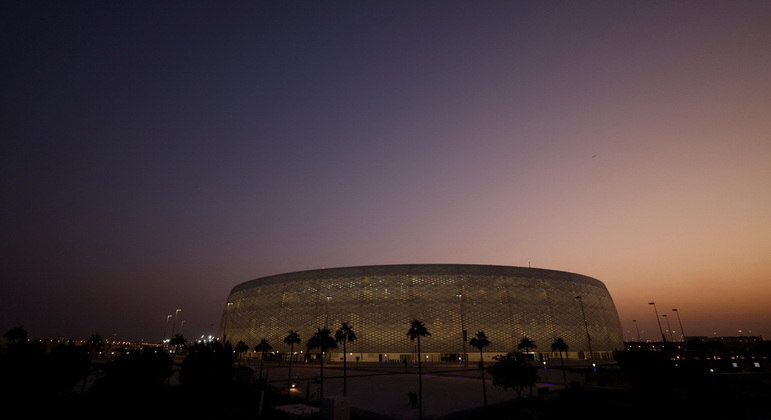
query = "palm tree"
x=292 y=338
x=263 y=347
x=16 y=335
x=345 y=335
x=177 y=341
x=323 y=341
x=510 y=371
x=239 y=349
x=417 y=330
x=95 y=343
x=560 y=346
x=527 y=344
x=480 y=341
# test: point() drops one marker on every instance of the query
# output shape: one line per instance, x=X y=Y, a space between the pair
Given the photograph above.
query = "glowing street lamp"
x=166 y=327
x=225 y=322
x=174 y=325
x=663 y=337
x=586 y=326
x=669 y=327
x=464 y=335
x=326 y=322
x=682 y=333
x=638 y=330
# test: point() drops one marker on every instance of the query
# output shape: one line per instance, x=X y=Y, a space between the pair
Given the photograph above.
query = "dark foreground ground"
x=737 y=397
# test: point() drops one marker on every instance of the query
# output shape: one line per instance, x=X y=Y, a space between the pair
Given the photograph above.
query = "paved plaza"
x=383 y=388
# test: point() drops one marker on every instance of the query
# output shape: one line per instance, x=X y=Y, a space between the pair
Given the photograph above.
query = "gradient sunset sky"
x=155 y=154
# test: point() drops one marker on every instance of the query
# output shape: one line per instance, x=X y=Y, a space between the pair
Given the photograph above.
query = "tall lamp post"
x=669 y=327
x=326 y=321
x=663 y=337
x=638 y=330
x=225 y=326
x=586 y=327
x=166 y=328
x=464 y=335
x=682 y=333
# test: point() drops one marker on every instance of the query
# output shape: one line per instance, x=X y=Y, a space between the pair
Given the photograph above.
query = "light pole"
x=663 y=337
x=669 y=327
x=166 y=328
x=680 y=322
x=174 y=326
x=462 y=328
x=586 y=326
x=226 y=321
x=326 y=321
x=638 y=330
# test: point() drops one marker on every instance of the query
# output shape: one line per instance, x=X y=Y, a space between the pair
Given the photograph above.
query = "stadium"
x=453 y=301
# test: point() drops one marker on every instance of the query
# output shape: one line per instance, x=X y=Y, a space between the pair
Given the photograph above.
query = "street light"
x=663 y=337
x=680 y=322
x=174 y=326
x=638 y=330
x=586 y=326
x=225 y=326
x=166 y=327
x=464 y=335
x=669 y=327
x=326 y=321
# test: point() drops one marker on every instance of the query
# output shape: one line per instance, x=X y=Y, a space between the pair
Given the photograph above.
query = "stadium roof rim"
x=408 y=268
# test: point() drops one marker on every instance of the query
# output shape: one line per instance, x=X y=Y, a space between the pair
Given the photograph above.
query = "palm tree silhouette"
x=263 y=347
x=16 y=335
x=292 y=338
x=95 y=343
x=239 y=349
x=177 y=341
x=560 y=346
x=345 y=335
x=417 y=330
x=527 y=344
x=323 y=341
x=480 y=341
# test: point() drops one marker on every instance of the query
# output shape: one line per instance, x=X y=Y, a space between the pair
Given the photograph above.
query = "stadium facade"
x=453 y=301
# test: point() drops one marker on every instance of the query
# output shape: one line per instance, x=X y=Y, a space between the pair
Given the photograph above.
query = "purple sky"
x=156 y=154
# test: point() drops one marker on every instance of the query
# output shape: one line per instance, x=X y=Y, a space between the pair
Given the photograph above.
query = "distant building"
x=453 y=301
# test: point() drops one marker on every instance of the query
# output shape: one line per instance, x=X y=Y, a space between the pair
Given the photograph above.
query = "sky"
x=155 y=154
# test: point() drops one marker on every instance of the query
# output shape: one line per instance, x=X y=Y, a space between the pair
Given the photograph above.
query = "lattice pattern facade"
x=507 y=303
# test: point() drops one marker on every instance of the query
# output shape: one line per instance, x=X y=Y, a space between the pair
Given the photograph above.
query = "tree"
x=136 y=372
x=65 y=366
x=239 y=349
x=480 y=341
x=510 y=371
x=417 y=330
x=323 y=341
x=16 y=335
x=263 y=347
x=560 y=346
x=292 y=338
x=207 y=366
x=95 y=343
x=345 y=335
x=177 y=341
x=526 y=344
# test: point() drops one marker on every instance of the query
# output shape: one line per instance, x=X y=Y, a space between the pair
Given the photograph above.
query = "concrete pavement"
x=383 y=389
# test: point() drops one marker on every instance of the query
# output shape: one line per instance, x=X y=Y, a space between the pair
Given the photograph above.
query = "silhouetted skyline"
x=156 y=154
